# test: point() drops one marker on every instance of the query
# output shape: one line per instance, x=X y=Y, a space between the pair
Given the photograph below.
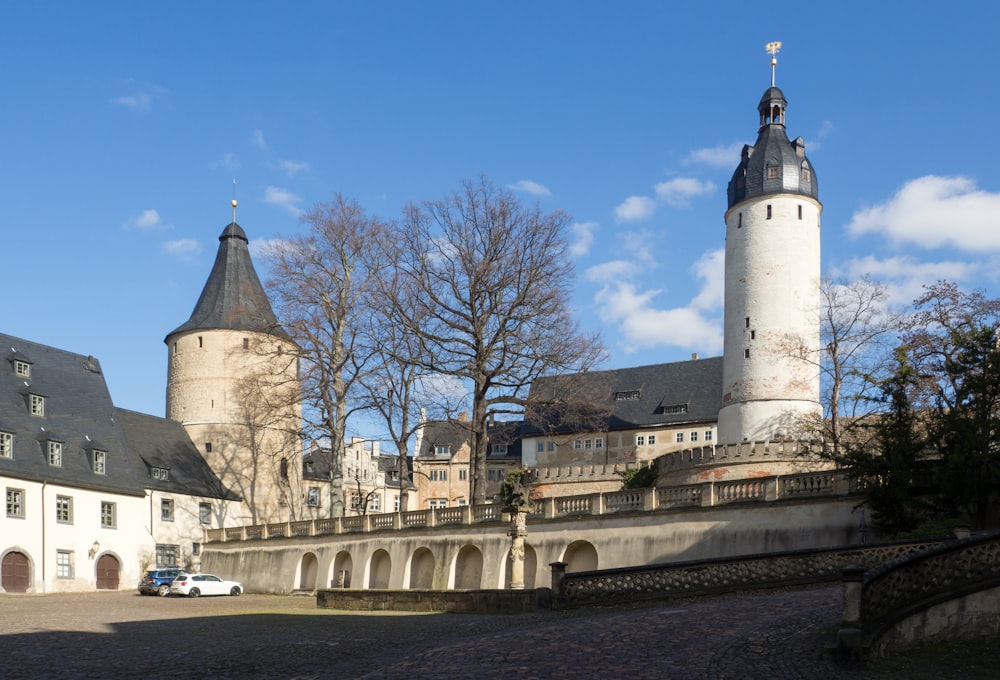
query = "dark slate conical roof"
x=233 y=297
x=773 y=165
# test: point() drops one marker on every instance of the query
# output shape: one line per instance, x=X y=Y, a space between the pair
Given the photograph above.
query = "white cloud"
x=932 y=212
x=148 y=220
x=229 y=161
x=530 y=187
x=609 y=272
x=137 y=101
x=711 y=271
x=644 y=326
x=293 y=168
x=258 y=140
x=826 y=129
x=906 y=277
x=283 y=199
x=581 y=237
x=261 y=248
x=721 y=156
x=677 y=192
x=185 y=248
x=635 y=208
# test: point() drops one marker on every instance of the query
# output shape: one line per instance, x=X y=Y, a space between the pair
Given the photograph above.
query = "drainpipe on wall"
x=44 y=548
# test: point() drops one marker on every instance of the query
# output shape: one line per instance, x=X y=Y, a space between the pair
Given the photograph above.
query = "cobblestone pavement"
x=777 y=635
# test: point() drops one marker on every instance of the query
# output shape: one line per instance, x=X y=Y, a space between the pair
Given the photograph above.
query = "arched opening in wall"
x=340 y=574
x=108 y=572
x=530 y=567
x=421 y=570
x=308 y=569
x=468 y=573
x=15 y=572
x=580 y=556
x=379 y=569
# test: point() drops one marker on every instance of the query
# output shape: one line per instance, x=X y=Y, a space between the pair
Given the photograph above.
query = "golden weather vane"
x=234 y=200
x=772 y=49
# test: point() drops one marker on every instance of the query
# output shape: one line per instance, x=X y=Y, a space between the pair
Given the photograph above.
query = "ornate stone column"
x=518 y=530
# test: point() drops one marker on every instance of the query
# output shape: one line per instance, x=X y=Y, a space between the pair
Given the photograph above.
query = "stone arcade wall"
x=475 y=556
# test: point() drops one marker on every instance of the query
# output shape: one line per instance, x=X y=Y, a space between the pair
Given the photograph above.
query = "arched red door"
x=107 y=572
x=14 y=572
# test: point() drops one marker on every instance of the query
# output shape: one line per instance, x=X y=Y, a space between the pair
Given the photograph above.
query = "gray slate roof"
x=695 y=384
x=159 y=442
x=77 y=407
x=772 y=148
x=79 y=413
x=455 y=433
x=233 y=297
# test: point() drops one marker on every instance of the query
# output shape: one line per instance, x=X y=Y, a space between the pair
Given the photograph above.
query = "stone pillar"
x=558 y=582
x=850 y=641
x=517 y=533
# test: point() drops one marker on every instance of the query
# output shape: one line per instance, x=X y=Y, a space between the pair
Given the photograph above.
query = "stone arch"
x=467 y=573
x=580 y=556
x=379 y=568
x=530 y=567
x=108 y=571
x=341 y=568
x=308 y=570
x=421 y=570
x=15 y=571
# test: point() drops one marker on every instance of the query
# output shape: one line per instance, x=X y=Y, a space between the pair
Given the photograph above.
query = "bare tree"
x=857 y=334
x=320 y=284
x=490 y=279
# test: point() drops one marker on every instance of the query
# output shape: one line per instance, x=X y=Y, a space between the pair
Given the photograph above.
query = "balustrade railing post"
x=549 y=507
x=558 y=583
x=366 y=523
x=467 y=515
x=597 y=504
x=397 y=520
x=432 y=517
x=708 y=494
x=771 y=489
x=850 y=652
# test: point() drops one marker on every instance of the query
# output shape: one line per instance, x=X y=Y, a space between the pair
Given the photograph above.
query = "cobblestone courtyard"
x=125 y=635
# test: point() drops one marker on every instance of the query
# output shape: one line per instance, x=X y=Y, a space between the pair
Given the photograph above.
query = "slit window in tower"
x=800 y=212
x=739 y=222
x=768 y=213
x=208 y=447
x=746 y=322
x=246 y=341
x=753 y=335
x=175 y=348
x=746 y=353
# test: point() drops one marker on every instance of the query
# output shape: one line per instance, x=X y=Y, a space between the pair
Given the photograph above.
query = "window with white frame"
x=162 y=474
x=438 y=502
x=167 y=509
x=109 y=515
x=395 y=503
x=498 y=449
x=355 y=500
x=100 y=462
x=55 y=453
x=577 y=444
x=588 y=443
x=15 y=503
x=312 y=497
x=599 y=443
x=708 y=435
x=651 y=439
x=694 y=436
x=679 y=437
x=374 y=503
x=64 y=564
x=6 y=444
x=37 y=405
x=204 y=513
x=640 y=440
x=539 y=447
x=551 y=446
x=64 y=509
x=463 y=475
x=22 y=368
x=442 y=450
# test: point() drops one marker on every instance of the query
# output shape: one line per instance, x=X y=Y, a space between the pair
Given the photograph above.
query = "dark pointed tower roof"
x=233 y=297
x=773 y=165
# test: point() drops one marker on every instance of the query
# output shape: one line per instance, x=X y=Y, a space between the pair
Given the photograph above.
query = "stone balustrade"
x=681 y=579
x=739 y=453
x=890 y=607
x=707 y=494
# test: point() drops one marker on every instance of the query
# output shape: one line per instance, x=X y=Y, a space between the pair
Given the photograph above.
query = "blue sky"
x=124 y=125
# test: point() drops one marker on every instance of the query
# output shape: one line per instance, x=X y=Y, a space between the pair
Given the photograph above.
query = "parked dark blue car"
x=157 y=581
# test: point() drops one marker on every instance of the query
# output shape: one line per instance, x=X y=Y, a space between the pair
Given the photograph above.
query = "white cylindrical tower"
x=770 y=369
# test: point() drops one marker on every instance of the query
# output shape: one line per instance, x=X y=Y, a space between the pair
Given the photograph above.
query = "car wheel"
x=235 y=591
x=163 y=590
x=194 y=592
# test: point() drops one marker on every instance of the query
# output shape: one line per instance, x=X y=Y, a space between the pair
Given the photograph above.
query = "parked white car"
x=196 y=585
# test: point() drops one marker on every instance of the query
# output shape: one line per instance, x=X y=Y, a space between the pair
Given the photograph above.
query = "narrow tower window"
x=746 y=354
x=800 y=212
x=739 y=222
x=768 y=217
x=746 y=322
x=768 y=214
x=246 y=341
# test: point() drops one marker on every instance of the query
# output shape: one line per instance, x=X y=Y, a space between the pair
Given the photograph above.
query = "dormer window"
x=674 y=409
x=100 y=461
x=161 y=474
x=628 y=395
x=6 y=444
x=36 y=403
x=55 y=453
x=442 y=450
x=498 y=449
x=22 y=368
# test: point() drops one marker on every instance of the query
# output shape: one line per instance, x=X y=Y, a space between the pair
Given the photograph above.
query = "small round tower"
x=772 y=282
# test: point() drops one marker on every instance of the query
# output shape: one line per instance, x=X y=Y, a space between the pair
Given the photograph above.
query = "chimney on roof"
x=694 y=356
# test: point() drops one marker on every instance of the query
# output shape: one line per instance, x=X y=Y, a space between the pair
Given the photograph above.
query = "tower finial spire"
x=772 y=49
x=234 y=200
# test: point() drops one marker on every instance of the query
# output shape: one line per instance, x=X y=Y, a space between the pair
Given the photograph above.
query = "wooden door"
x=14 y=572
x=107 y=573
